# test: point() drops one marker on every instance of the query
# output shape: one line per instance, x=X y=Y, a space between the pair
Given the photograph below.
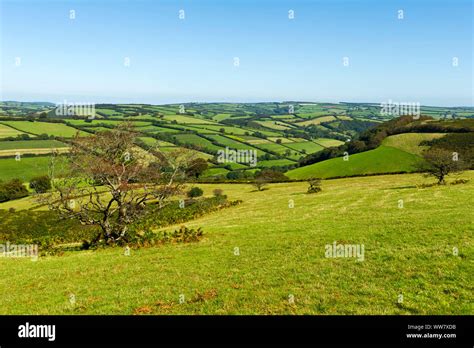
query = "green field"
x=246 y=265
x=6 y=131
x=215 y=172
x=30 y=144
x=327 y=142
x=410 y=142
x=384 y=159
x=309 y=146
x=154 y=142
x=25 y=169
x=99 y=122
x=274 y=125
x=54 y=129
x=186 y=119
x=275 y=163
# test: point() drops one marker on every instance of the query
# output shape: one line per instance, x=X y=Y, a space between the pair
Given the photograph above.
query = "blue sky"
x=175 y=60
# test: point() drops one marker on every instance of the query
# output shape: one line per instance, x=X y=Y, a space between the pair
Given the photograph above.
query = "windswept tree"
x=197 y=167
x=110 y=181
x=259 y=183
x=440 y=162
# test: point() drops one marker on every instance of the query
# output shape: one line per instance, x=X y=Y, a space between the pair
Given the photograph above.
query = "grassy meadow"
x=256 y=255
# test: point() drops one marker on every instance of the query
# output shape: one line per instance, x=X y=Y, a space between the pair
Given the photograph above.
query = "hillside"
x=407 y=251
x=384 y=159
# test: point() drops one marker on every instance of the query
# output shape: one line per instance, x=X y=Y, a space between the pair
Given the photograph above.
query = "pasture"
x=53 y=129
x=246 y=265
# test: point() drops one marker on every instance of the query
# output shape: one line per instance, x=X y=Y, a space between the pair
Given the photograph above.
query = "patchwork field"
x=245 y=265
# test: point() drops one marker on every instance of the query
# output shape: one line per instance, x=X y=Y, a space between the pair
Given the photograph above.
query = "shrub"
x=314 y=185
x=459 y=181
x=195 y=192
x=40 y=184
x=218 y=192
x=12 y=189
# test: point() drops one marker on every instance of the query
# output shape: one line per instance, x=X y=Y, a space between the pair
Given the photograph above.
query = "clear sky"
x=193 y=59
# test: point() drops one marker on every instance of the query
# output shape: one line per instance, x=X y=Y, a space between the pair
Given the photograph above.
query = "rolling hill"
x=384 y=159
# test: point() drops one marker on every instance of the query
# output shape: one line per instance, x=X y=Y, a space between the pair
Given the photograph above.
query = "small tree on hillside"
x=110 y=180
x=259 y=183
x=197 y=167
x=440 y=163
x=314 y=185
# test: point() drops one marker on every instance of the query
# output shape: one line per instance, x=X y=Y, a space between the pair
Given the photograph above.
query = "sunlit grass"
x=255 y=255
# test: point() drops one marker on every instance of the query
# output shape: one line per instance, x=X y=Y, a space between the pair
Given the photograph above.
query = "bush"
x=12 y=189
x=459 y=181
x=195 y=192
x=40 y=184
x=314 y=185
x=218 y=192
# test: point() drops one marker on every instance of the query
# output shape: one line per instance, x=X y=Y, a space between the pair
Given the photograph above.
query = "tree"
x=40 y=184
x=271 y=175
x=259 y=183
x=440 y=163
x=197 y=167
x=314 y=185
x=195 y=192
x=122 y=180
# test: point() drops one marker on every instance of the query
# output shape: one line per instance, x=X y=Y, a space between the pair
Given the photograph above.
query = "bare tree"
x=440 y=163
x=110 y=180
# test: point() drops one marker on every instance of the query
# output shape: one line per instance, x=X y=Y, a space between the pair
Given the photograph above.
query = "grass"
x=410 y=142
x=245 y=265
x=154 y=142
x=383 y=159
x=215 y=172
x=317 y=120
x=274 y=125
x=54 y=129
x=6 y=131
x=99 y=122
x=197 y=140
x=186 y=119
x=30 y=144
x=309 y=146
x=275 y=163
x=25 y=169
x=326 y=142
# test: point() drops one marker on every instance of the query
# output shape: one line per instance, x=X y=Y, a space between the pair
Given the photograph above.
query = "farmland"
x=24 y=169
x=279 y=231
x=6 y=131
x=286 y=257
x=53 y=129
